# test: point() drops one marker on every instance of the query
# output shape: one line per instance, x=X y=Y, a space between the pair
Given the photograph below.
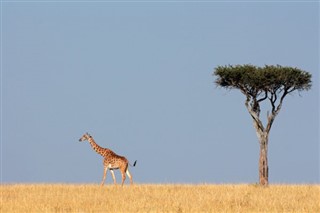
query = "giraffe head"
x=85 y=137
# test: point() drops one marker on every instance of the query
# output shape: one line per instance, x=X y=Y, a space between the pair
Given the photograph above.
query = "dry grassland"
x=159 y=198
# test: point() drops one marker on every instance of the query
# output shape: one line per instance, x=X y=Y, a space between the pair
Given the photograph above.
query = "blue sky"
x=138 y=77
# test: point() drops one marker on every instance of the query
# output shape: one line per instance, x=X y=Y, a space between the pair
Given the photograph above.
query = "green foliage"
x=254 y=80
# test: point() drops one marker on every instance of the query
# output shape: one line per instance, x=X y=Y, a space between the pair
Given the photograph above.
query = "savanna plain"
x=159 y=198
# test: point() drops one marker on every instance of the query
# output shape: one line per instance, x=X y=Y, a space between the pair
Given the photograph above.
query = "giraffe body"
x=111 y=160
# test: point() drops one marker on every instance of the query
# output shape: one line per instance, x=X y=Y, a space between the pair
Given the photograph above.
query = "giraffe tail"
x=134 y=164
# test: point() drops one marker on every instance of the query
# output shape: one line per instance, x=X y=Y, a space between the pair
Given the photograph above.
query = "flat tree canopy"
x=255 y=80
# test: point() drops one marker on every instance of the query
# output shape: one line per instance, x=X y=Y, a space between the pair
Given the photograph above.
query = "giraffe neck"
x=96 y=147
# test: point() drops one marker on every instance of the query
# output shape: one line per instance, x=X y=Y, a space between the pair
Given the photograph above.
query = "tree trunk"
x=263 y=135
x=263 y=160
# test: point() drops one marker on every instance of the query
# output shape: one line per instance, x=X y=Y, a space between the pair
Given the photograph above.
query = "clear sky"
x=138 y=77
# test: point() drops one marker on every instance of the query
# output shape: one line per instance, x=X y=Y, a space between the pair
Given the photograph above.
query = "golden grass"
x=159 y=198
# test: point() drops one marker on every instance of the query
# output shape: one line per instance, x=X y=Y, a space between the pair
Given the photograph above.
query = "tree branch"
x=291 y=90
x=275 y=112
x=273 y=98
x=281 y=100
x=265 y=97
x=254 y=115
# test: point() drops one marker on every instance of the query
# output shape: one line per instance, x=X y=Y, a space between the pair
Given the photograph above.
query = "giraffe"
x=111 y=160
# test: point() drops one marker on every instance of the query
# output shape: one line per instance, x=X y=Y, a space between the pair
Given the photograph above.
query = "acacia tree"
x=258 y=84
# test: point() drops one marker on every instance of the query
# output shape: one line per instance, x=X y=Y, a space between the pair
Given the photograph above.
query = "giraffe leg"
x=123 y=174
x=104 y=175
x=113 y=177
x=129 y=175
